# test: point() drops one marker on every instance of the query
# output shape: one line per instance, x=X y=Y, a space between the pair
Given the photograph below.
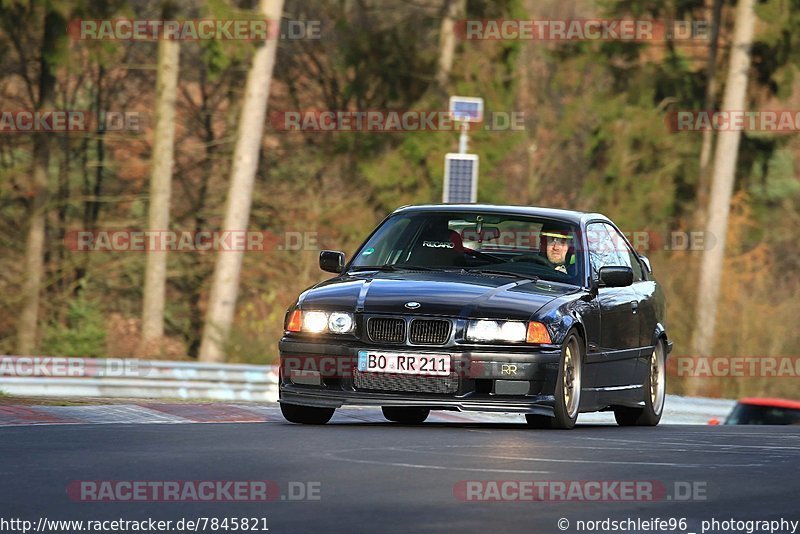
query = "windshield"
x=496 y=244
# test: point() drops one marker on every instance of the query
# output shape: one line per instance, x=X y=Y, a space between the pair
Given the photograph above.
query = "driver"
x=557 y=243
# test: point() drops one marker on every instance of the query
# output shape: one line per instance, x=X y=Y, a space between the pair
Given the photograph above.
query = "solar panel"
x=460 y=178
x=466 y=108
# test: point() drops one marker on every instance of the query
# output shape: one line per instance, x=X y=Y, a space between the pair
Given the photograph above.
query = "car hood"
x=452 y=294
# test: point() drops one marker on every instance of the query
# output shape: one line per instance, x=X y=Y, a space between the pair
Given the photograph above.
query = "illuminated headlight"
x=513 y=331
x=483 y=330
x=505 y=331
x=315 y=321
x=340 y=322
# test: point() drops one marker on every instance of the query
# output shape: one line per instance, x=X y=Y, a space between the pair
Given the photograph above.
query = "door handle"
x=634 y=307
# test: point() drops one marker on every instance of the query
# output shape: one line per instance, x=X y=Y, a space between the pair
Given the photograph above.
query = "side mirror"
x=616 y=276
x=331 y=261
x=646 y=263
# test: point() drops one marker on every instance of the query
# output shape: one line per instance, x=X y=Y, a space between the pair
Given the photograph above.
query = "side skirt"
x=595 y=399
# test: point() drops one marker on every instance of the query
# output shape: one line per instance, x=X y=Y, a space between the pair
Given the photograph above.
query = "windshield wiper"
x=531 y=277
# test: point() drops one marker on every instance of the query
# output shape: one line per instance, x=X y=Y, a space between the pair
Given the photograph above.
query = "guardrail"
x=133 y=378
x=151 y=379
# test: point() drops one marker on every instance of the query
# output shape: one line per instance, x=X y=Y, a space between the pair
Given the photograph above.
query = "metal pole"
x=463 y=139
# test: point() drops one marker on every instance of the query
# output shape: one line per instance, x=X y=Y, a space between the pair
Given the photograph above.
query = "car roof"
x=575 y=217
x=777 y=403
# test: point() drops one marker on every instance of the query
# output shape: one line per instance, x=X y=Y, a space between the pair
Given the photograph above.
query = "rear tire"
x=306 y=415
x=406 y=415
x=654 y=393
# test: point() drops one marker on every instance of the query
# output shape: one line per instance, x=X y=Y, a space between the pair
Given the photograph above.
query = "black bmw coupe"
x=473 y=307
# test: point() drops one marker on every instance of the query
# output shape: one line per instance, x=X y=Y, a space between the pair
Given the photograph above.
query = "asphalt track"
x=375 y=476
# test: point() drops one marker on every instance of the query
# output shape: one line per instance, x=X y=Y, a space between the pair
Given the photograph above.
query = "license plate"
x=403 y=363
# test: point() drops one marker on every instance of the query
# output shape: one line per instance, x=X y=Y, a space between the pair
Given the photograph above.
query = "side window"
x=601 y=247
x=626 y=256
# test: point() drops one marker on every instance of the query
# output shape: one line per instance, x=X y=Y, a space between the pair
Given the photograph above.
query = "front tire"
x=654 y=394
x=406 y=416
x=306 y=415
x=567 y=390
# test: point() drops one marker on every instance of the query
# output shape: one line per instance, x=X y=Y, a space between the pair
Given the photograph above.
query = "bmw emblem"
x=412 y=305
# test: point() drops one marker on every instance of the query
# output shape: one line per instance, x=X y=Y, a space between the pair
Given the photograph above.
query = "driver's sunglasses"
x=563 y=241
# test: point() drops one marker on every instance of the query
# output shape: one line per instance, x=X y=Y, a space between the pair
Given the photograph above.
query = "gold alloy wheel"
x=657 y=378
x=572 y=378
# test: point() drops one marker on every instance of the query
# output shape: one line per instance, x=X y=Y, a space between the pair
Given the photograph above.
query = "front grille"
x=386 y=330
x=405 y=383
x=429 y=331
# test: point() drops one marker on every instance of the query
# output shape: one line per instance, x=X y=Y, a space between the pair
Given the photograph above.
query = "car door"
x=619 y=319
x=645 y=291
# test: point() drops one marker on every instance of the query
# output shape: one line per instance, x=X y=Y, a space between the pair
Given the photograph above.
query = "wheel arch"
x=660 y=334
x=578 y=326
x=570 y=323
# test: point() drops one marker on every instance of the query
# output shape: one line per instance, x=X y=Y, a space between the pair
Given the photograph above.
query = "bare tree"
x=453 y=9
x=155 y=278
x=711 y=94
x=722 y=183
x=34 y=244
x=225 y=283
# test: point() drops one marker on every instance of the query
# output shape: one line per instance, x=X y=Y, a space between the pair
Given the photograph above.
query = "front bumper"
x=516 y=379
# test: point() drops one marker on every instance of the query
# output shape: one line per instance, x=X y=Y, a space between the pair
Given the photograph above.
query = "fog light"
x=305 y=378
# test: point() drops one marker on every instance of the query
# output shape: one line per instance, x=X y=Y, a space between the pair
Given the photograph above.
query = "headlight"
x=317 y=322
x=513 y=331
x=340 y=322
x=483 y=330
